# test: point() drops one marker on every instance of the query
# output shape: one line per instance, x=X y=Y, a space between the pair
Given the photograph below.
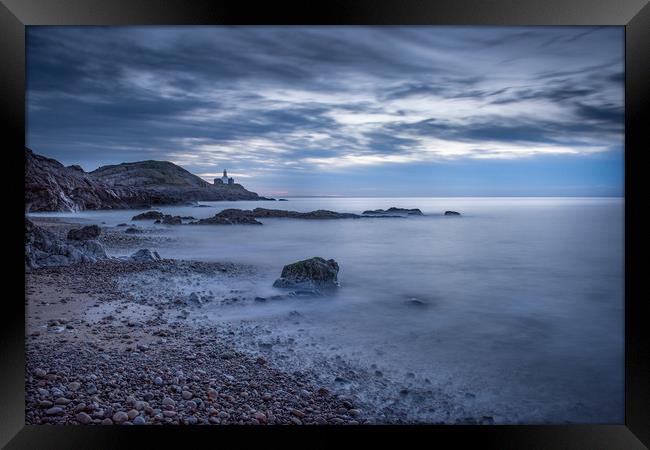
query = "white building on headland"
x=224 y=179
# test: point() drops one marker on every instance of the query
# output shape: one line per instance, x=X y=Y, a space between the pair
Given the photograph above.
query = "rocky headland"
x=51 y=186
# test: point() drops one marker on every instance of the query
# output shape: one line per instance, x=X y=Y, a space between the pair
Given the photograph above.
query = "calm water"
x=523 y=297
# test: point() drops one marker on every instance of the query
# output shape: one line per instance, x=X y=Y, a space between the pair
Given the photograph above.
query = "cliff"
x=50 y=186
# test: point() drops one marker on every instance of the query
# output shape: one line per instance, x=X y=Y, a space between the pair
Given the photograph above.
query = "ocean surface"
x=515 y=309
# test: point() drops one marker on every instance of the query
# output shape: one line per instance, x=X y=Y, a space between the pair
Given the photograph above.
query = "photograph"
x=324 y=225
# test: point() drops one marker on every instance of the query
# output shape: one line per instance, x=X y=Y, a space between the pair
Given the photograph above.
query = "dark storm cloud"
x=266 y=98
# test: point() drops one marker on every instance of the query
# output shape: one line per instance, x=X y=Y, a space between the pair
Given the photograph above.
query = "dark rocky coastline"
x=50 y=186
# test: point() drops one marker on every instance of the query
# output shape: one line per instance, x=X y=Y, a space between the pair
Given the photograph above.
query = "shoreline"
x=86 y=365
x=116 y=325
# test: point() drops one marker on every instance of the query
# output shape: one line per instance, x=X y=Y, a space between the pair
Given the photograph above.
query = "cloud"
x=299 y=99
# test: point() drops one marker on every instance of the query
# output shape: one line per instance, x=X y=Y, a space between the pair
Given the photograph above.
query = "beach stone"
x=158 y=382
x=40 y=373
x=107 y=421
x=83 y=418
x=145 y=255
x=120 y=417
x=139 y=420
x=212 y=394
x=187 y=395
x=56 y=410
x=132 y=414
x=85 y=233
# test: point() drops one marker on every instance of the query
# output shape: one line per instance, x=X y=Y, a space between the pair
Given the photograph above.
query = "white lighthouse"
x=224 y=178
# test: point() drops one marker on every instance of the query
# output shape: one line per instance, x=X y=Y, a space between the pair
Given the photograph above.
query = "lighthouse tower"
x=224 y=178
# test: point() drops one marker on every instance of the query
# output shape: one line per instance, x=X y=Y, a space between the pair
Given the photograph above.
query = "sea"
x=513 y=310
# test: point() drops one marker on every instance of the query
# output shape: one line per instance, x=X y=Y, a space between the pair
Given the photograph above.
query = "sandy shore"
x=97 y=354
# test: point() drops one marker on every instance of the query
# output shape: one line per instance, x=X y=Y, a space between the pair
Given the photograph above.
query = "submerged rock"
x=171 y=220
x=144 y=255
x=133 y=230
x=85 y=233
x=452 y=213
x=314 y=273
x=149 y=215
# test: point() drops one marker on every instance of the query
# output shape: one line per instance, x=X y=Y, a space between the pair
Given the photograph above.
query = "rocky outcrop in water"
x=50 y=186
x=452 y=213
x=394 y=211
x=227 y=220
x=149 y=215
x=312 y=274
x=246 y=216
x=44 y=249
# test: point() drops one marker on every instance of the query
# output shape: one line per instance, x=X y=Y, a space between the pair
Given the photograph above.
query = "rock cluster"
x=44 y=249
x=452 y=213
x=394 y=211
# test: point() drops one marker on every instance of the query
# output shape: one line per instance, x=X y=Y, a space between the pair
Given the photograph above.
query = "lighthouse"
x=224 y=178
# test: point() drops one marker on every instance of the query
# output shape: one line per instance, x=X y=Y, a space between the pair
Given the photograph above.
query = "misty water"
x=514 y=309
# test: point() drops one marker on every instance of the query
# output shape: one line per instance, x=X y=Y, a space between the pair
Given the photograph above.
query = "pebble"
x=158 y=381
x=120 y=417
x=83 y=418
x=54 y=411
x=186 y=395
x=74 y=386
x=107 y=421
x=139 y=421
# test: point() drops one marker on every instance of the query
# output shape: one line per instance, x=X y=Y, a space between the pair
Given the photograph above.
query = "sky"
x=339 y=111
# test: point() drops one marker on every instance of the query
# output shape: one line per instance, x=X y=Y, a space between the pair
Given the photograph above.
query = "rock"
x=85 y=233
x=260 y=417
x=120 y=417
x=212 y=394
x=54 y=411
x=83 y=418
x=50 y=186
x=234 y=220
x=314 y=273
x=145 y=255
x=122 y=225
x=44 y=249
x=139 y=420
x=74 y=386
x=260 y=299
x=149 y=215
x=107 y=421
x=40 y=373
x=132 y=414
x=171 y=220
x=158 y=382
x=187 y=395
x=452 y=213
x=394 y=211
x=133 y=230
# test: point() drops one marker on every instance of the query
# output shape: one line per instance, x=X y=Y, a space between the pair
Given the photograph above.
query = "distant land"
x=51 y=186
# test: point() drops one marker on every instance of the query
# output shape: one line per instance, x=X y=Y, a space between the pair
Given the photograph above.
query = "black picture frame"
x=634 y=15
